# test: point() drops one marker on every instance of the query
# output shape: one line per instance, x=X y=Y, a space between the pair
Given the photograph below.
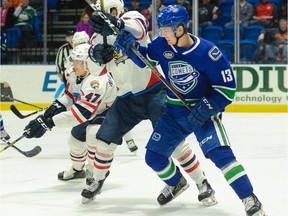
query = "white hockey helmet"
x=80 y=38
x=80 y=53
x=110 y=4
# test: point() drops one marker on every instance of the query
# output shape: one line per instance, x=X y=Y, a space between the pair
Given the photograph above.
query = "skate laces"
x=69 y=173
x=93 y=186
x=167 y=190
x=203 y=188
x=249 y=202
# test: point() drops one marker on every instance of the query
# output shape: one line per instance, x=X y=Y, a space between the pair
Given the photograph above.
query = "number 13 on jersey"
x=227 y=75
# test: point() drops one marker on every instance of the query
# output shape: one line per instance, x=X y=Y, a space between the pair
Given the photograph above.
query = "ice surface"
x=29 y=186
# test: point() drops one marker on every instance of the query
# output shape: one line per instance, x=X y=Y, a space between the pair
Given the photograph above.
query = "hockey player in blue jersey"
x=197 y=69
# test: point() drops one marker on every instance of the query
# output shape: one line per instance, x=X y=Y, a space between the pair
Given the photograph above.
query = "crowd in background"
x=270 y=15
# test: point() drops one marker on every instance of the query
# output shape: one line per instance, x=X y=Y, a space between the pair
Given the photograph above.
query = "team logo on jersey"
x=156 y=136
x=94 y=84
x=168 y=54
x=214 y=53
x=183 y=76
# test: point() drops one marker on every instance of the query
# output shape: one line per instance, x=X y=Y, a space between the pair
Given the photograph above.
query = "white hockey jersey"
x=128 y=77
x=85 y=99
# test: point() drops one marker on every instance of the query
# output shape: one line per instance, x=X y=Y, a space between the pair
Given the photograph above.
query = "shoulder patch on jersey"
x=168 y=54
x=94 y=84
x=214 y=53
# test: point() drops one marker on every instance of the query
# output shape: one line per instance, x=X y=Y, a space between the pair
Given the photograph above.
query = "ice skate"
x=132 y=146
x=5 y=136
x=206 y=194
x=253 y=206
x=171 y=192
x=71 y=174
x=89 y=177
x=93 y=189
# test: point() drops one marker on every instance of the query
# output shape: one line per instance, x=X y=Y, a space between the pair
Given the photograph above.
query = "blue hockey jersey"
x=197 y=72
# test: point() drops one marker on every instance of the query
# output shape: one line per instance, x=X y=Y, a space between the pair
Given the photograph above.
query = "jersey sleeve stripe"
x=227 y=93
x=76 y=115
x=143 y=27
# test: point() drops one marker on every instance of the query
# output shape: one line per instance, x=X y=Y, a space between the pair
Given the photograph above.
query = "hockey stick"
x=33 y=152
x=12 y=143
x=140 y=56
x=20 y=115
x=21 y=101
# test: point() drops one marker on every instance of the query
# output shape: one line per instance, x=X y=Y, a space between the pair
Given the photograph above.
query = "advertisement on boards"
x=260 y=88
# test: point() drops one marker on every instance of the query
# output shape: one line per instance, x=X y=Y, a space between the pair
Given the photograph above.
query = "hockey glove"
x=54 y=109
x=202 y=111
x=99 y=26
x=125 y=41
x=38 y=127
x=101 y=54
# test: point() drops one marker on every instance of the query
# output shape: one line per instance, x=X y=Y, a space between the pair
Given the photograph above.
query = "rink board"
x=260 y=88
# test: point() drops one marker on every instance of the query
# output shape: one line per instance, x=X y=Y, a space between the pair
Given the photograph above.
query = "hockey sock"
x=103 y=159
x=91 y=131
x=164 y=167
x=78 y=153
x=189 y=162
x=232 y=170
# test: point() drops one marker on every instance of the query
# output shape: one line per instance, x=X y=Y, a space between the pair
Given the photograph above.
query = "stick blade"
x=16 y=112
x=33 y=152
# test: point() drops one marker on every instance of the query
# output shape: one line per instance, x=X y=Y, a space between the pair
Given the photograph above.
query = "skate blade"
x=86 y=200
x=209 y=201
x=260 y=213
x=89 y=200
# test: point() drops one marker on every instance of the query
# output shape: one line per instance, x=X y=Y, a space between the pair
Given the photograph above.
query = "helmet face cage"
x=80 y=38
x=109 y=5
x=173 y=16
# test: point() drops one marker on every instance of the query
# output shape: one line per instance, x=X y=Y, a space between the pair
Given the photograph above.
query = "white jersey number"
x=227 y=75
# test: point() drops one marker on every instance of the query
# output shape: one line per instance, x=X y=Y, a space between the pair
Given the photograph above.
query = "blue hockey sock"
x=164 y=167
x=232 y=170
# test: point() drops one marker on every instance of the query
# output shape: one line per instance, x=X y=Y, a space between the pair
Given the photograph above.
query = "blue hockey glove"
x=125 y=41
x=54 y=109
x=101 y=54
x=202 y=111
x=99 y=26
x=38 y=127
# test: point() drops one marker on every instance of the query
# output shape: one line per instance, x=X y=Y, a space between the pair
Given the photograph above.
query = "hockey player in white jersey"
x=86 y=99
x=141 y=96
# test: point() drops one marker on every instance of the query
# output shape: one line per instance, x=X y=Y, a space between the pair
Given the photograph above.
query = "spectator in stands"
x=14 y=3
x=88 y=10
x=62 y=55
x=264 y=14
x=159 y=7
x=3 y=50
x=24 y=15
x=135 y=5
x=207 y=13
x=84 y=25
x=282 y=11
x=245 y=11
x=216 y=2
x=38 y=6
x=7 y=17
x=276 y=43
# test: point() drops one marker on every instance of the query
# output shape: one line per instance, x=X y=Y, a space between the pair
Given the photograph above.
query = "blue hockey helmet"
x=173 y=16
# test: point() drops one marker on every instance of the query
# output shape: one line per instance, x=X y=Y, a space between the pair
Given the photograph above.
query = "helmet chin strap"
x=177 y=39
